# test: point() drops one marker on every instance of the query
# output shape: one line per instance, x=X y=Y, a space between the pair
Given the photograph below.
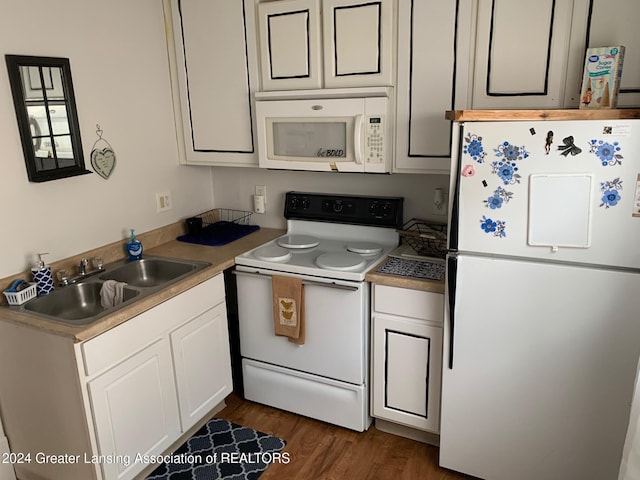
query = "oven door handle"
x=330 y=285
x=304 y=282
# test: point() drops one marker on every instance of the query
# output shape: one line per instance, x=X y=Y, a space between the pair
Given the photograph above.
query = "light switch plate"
x=163 y=201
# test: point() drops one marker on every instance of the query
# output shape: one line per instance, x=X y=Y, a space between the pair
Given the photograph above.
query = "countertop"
x=435 y=286
x=220 y=258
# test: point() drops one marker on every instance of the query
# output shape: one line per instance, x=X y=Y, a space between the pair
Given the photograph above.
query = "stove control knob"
x=337 y=206
x=293 y=203
x=374 y=209
x=304 y=204
x=386 y=209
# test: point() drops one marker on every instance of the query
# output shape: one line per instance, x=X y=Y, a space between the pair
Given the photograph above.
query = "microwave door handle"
x=357 y=138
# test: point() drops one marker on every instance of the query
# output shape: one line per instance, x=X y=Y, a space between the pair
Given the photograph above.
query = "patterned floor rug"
x=222 y=450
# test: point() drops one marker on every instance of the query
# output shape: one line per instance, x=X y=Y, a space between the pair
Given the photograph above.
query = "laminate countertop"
x=220 y=258
x=402 y=281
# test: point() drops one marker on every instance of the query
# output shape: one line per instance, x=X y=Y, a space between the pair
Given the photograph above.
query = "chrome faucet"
x=82 y=268
x=83 y=272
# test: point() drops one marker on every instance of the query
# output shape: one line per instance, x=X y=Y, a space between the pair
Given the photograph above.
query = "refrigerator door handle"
x=452 y=268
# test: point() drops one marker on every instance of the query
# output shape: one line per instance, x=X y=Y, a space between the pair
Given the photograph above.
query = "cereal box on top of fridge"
x=601 y=79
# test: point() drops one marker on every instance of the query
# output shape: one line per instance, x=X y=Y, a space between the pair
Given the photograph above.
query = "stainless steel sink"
x=79 y=304
x=150 y=272
x=76 y=304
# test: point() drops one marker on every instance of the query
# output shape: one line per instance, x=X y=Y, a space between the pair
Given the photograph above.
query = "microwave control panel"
x=374 y=138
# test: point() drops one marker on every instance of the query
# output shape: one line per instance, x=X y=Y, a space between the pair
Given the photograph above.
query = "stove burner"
x=298 y=241
x=342 y=261
x=273 y=253
x=364 y=248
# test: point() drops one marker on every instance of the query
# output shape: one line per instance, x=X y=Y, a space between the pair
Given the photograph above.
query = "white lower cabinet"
x=135 y=409
x=93 y=410
x=139 y=408
x=180 y=370
x=201 y=361
x=407 y=357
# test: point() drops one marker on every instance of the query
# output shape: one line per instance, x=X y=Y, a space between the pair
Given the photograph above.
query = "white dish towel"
x=111 y=293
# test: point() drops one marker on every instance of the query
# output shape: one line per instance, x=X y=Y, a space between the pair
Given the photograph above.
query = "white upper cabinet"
x=602 y=23
x=213 y=57
x=358 y=42
x=309 y=44
x=290 y=44
x=433 y=59
x=521 y=53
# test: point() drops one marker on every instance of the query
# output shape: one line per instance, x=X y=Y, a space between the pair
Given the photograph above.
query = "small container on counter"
x=134 y=247
x=42 y=276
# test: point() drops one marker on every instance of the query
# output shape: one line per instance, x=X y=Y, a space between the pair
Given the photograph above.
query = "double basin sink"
x=79 y=304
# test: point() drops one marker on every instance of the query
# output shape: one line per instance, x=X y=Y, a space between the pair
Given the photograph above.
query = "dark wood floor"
x=318 y=450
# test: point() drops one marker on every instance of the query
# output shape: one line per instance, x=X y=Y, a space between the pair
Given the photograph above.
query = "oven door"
x=336 y=320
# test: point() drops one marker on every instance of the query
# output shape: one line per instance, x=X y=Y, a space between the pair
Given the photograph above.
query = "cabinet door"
x=214 y=59
x=202 y=363
x=358 y=38
x=135 y=409
x=601 y=23
x=407 y=366
x=290 y=44
x=521 y=53
x=427 y=56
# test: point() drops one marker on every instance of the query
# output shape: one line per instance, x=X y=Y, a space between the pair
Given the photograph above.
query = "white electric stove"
x=332 y=241
x=329 y=250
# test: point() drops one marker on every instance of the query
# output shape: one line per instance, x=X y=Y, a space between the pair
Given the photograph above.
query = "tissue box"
x=601 y=78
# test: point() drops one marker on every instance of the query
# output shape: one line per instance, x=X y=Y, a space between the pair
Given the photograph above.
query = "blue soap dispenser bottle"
x=42 y=276
x=134 y=247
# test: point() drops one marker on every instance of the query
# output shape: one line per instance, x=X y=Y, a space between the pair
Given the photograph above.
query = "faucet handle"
x=63 y=276
x=97 y=263
x=84 y=262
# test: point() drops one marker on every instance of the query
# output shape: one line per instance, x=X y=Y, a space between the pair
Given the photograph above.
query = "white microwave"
x=325 y=133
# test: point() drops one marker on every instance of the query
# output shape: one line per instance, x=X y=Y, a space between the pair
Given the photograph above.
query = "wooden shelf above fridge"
x=526 y=115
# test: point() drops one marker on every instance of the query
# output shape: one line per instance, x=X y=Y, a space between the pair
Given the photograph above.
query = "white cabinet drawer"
x=132 y=336
x=409 y=303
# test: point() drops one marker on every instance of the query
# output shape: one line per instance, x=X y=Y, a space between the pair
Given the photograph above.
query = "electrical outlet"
x=163 y=201
x=260 y=199
x=439 y=202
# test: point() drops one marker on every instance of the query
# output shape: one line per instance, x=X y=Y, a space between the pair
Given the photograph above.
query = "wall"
x=234 y=188
x=118 y=56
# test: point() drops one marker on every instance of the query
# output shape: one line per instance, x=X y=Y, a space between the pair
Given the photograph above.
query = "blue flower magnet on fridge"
x=495 y=227
x=510 y=152
x=506 y=167
x=500 y=196
x=610 y=192
x=473 y=147
x=608 y=153
x=507 y=171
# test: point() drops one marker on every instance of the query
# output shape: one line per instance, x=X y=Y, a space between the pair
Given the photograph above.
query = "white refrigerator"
x=542 y=327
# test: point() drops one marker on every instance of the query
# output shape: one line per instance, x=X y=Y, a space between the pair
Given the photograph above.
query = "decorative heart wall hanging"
x=103 y=158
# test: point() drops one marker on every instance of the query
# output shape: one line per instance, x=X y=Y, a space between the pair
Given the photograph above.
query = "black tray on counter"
x=219 y=233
